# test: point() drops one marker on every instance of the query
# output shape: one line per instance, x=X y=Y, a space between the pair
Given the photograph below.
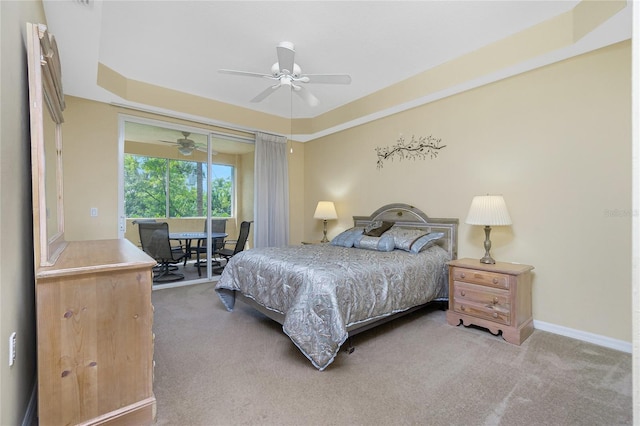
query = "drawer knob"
x=462 y=293
x=495 y=281
x=462 y=275
x=495 y=300
x=495 y=315
x=463 y=308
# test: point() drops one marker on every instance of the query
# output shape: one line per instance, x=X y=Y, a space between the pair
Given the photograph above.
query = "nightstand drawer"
x=482 y=302
x=495 y=313
x=480 y=294
x=481 y=277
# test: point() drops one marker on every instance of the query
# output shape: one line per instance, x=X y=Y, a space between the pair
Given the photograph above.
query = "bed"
x=324 y=293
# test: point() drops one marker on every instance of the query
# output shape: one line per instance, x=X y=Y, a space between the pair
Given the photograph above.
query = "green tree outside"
x=162 y=188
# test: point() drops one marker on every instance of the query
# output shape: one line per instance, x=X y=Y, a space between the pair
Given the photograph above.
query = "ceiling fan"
x=186 y=145
x=286 y=72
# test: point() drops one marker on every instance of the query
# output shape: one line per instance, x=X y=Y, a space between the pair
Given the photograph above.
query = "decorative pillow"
x=407 y=238
x=377 y=228
x=347 y=238
x=426 y=241
x=404 y=237
x=383 y=243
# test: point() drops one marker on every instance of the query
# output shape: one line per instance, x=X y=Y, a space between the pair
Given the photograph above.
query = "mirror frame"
x=45 y=88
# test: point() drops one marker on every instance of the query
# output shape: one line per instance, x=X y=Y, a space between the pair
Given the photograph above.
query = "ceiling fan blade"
x=204 y=149
x=266 y=92
x=306 y=95
x=286 y=56
x=245 y=73
x=327 y=78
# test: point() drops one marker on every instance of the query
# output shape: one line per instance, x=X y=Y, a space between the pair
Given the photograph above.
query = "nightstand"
x=496 y=297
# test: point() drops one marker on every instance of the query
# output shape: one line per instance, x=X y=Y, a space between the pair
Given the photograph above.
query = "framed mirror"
x=46 y=101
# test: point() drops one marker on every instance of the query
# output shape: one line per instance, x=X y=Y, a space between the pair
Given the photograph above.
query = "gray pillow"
x=383 y=243
x=347 y=238
x=426 y=241
x=413 y=239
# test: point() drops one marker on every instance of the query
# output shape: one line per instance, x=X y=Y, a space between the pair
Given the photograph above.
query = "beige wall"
x=554 y=141
x=90 y=168
x=16 y=245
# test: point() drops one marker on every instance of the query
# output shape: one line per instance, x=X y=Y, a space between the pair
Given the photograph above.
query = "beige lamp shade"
x=488 y=210
x=325 y=210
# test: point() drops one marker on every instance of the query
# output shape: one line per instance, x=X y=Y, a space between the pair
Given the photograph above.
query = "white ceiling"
x=181 y=44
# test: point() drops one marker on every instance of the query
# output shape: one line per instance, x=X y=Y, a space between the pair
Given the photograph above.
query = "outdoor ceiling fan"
x=287 y=73
x=186 y=145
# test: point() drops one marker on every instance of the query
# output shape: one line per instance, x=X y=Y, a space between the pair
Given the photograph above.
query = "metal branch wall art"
x=421 y=148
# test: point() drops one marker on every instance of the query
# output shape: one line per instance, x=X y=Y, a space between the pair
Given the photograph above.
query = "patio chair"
x=240 y=243
x=218 y=226
x=154 y=238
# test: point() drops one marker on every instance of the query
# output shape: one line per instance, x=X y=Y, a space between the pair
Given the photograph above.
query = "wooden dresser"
x=95 y=339
x=496 y=297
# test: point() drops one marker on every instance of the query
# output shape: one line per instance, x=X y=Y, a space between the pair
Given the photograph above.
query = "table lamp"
x=325 y=211
x=488 y=210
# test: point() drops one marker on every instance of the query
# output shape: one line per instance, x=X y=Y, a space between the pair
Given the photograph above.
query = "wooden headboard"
x=411 y=217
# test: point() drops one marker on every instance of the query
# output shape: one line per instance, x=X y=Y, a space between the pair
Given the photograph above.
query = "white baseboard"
x=596 y=339
x=30 y=415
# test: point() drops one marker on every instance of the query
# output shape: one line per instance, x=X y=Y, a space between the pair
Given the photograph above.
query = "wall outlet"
x=12 y=349
x=94 y=211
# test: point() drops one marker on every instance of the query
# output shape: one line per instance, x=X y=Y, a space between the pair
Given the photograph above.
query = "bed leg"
x=350 y=348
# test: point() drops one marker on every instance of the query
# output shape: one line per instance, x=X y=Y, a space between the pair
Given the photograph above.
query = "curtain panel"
x=271 y=202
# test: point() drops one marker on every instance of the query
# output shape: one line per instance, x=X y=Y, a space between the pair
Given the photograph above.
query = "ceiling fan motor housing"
x=277 y=73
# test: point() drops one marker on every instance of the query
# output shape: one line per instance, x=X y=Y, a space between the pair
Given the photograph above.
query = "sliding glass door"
x=186 y=177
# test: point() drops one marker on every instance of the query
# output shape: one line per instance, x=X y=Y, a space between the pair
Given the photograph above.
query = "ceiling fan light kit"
x=185 y=151
x=287 y=73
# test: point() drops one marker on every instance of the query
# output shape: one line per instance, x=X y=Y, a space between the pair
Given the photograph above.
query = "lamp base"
x=488 y=259
x=324 y=232
x=487 y=246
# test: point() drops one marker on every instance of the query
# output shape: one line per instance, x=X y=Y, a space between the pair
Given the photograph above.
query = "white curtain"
x=271 y=204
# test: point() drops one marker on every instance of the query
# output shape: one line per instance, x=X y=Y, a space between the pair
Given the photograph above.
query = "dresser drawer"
x=485 y=278
x=482 y=302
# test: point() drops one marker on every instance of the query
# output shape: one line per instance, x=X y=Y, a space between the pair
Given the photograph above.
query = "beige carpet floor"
x=215 y=367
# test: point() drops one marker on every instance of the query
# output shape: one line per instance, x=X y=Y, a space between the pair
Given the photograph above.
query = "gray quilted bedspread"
x=322 y=289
